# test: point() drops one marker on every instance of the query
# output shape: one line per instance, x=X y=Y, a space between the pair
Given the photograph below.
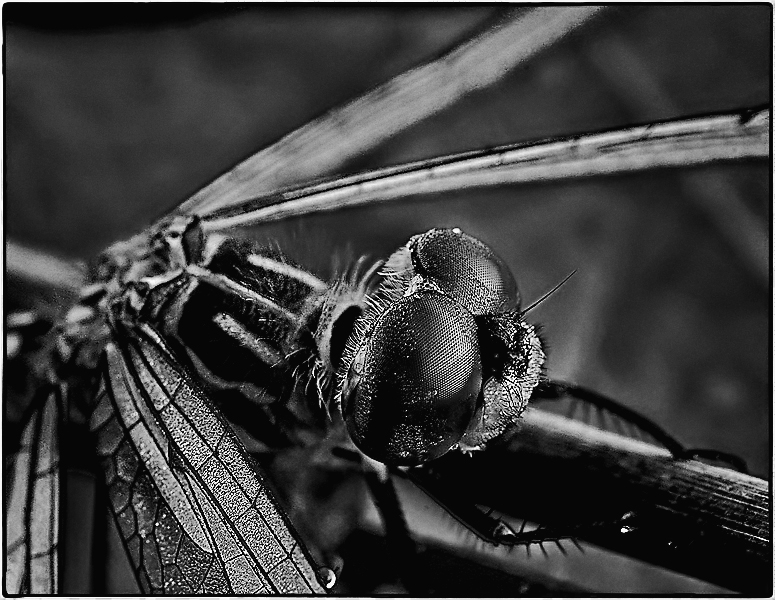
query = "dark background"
x=113 y=115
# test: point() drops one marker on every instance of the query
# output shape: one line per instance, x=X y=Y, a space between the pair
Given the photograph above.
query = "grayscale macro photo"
x=434 y=300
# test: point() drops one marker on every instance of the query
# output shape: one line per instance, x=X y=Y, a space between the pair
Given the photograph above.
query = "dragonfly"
x=128 y=316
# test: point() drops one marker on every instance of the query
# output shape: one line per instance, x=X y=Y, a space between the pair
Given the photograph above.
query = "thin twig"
x=705 y=521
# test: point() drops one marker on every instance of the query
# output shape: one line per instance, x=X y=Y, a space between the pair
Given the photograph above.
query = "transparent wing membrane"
x=194 y=512
x=160 y=555
x=39 y=267
x=320 y=147
x=32 y=517
x=706 y=140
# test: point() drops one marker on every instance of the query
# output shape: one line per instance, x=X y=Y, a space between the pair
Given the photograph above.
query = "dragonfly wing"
x=32 y=517
x=192 y=507
x=325 y=144
x=35 y=266
x=695 y=141
x=164 y=555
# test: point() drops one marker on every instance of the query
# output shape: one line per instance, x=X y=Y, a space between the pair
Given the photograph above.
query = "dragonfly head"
x=441 y=358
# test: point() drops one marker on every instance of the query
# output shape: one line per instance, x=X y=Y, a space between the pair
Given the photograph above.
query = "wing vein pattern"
x=192 y=507
x=32 y=517
x=678 y=143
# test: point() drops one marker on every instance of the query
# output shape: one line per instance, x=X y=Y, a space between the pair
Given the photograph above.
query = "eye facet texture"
x=466 y=270
x=418 y=380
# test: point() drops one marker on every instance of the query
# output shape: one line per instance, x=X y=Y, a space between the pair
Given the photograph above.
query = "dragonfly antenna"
x=549 y=293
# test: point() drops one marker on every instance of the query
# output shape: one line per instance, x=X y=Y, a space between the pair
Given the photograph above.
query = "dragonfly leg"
x=481 y=523
x=484 y=524
x=401 y=546
x=555 y=390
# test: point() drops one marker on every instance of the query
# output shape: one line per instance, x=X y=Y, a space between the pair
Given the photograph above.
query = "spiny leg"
x=400 y=544
x=621 y=415
x=482 y=523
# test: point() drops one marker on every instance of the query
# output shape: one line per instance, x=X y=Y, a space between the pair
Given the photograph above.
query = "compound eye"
x=465 y=269
x=414 y=384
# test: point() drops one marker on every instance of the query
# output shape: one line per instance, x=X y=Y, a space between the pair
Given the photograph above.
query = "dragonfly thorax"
x=431 y=355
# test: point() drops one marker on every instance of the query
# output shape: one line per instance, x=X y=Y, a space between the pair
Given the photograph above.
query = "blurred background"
x=112 y=118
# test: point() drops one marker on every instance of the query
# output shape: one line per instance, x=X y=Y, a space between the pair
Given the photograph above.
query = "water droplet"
x=327 y=577
x=628 y=522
